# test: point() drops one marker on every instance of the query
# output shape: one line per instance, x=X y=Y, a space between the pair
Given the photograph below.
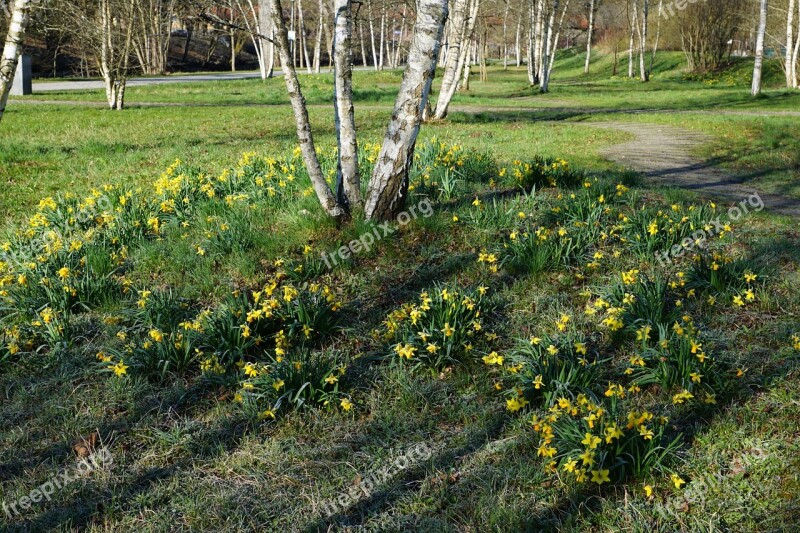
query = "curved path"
x=664 y=155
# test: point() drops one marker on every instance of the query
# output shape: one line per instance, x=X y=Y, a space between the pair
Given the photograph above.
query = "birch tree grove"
x=347 y=181
x=762 y=29
x=388 y=187
x=20 y=17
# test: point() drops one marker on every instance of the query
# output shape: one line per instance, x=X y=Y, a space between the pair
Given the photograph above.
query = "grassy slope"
x=184 y=460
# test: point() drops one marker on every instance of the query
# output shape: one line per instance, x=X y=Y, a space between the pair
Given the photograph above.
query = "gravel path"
x=664 y=155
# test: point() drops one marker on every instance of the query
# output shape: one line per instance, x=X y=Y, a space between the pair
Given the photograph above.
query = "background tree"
x=20 y=16
x=761 y=32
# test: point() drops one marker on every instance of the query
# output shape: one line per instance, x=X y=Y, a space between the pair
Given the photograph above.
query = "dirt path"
x=664 y=155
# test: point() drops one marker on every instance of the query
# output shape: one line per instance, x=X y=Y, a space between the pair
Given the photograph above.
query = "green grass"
x=186 y=457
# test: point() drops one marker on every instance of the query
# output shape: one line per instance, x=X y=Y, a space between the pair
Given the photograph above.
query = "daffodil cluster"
x=443 y=327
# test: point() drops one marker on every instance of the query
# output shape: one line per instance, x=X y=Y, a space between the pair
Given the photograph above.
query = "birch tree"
x=634 y=23
x=457 y=55
x=20 y=17
x=792 y=45
x=116 y=35
x=762 y=29
x=551 y=46
x=589 y=36
x=457 y=28
x=658 y=35
x=643 y=72
x=347 y=181
x=304 y=135
x=796 y=54
x=151 y=40
x=388 y=188
x=259 y=27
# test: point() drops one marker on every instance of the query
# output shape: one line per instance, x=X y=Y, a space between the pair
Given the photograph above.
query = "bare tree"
x=304 y=135
x=762 y=29
x=388 y=187
x=792 y=46
x=457 y=27
x=116 y=34
x=705 y=30
x=348 y=186
x=589 y=35
x=643 y=72
x=151 y=38
x=20 y=16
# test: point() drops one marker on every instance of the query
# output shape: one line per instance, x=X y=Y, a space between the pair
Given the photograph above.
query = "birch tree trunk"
x=645 y=75
x=589 y=38
x=382 y=39
x=762 y=29
x=552 y=60
x=318 y=40
x=452 y=71
x=634 y=25
x=348 y=188
x=539 y=50
x=518 y=49
x=658 y=35
x=505 y=38
x=20 y=17
x=303 y=38
x=462 y=56
x=372 y=35
x=796 y=54
x=304 y=136
x=548 y=43
x=790 y=63
x=533 y=59
x=388 y=187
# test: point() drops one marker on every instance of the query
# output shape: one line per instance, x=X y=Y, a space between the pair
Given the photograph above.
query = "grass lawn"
x=518 y=323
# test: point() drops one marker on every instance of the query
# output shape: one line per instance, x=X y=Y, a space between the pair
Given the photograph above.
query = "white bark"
x=20 y=17
x=790 y=44
x=302 y=35
x=461 y=56
x=372 y=36
x=658 y=35
x=796 y=54
x=388 y=187
x=505 y=38
x=644 y=74
x=456 y=33
x=634 y=25
x=318 y=39
x=589 y=37
x=762 y=29
x=348 y=186
x=552 y=61
x=518 y=49
x=304 y=136
x=548 y=43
